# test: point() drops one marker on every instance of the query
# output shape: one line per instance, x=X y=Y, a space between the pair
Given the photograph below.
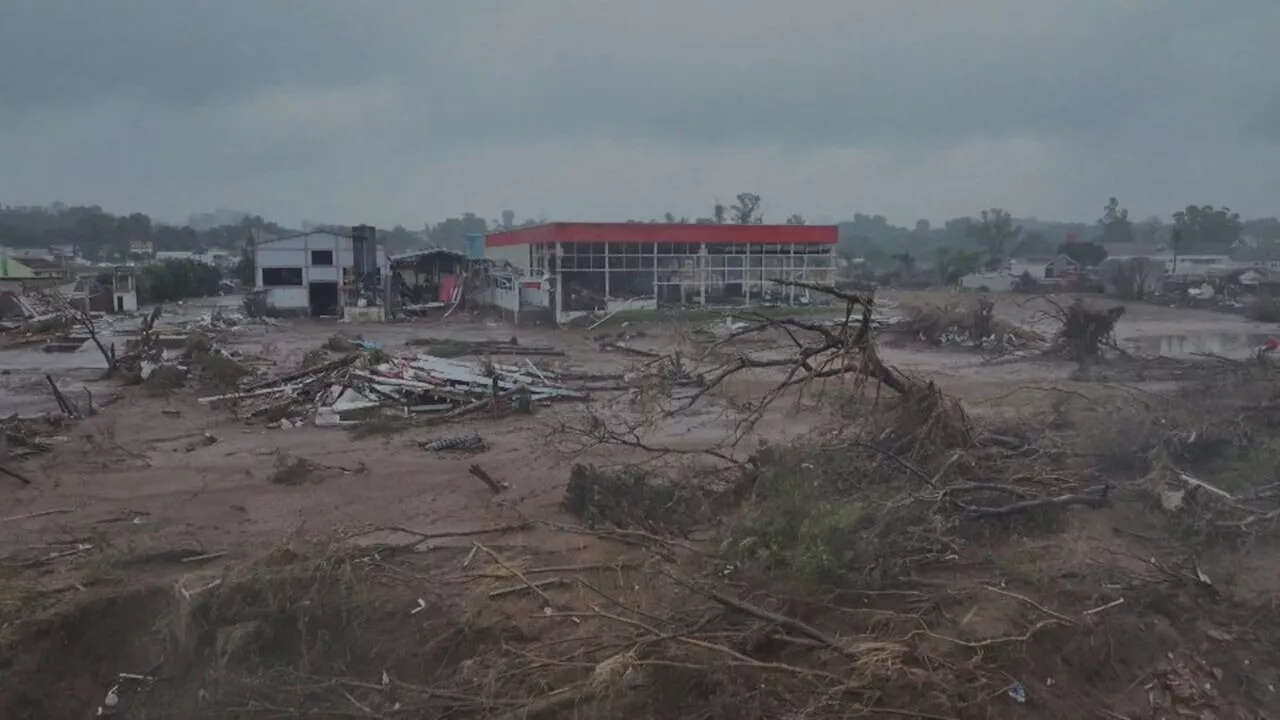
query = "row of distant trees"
x=987 y=241
x=984 y=240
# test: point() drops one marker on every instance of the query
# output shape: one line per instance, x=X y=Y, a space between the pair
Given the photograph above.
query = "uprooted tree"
x=816 y=352
x=1086 y=331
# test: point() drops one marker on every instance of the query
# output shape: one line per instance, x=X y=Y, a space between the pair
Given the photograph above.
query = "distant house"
x=31 y=253
x=1061 y=267
x=1262 y=255
x=11 y=268
x=32 y=270
x=45 y=269
x=1255 y=278
x=1198 y=267
x=124 y=289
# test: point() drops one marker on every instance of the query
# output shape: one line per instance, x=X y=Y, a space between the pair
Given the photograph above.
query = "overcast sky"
x=408 y=111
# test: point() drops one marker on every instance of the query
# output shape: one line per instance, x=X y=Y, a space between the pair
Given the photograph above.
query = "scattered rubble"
x=449 y=348
x=365 y=384
x=466 y=441
x=226 y=319
x=974 y=326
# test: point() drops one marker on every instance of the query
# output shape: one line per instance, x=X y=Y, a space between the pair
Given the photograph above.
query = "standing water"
x=1232 y=345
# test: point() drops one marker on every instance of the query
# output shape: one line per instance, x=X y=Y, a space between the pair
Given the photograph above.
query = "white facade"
x=296 y=271
x=1198 y=266
x=124 y=301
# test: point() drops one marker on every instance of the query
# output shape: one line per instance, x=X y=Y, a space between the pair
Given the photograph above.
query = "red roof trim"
x=662 y=232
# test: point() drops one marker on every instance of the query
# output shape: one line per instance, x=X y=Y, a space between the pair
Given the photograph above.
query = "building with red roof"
x=575 y=269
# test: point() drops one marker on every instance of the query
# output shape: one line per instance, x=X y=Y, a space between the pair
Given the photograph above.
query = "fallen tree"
x=815 y=352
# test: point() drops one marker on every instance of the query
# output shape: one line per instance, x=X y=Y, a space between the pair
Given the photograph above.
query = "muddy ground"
x=152 y=541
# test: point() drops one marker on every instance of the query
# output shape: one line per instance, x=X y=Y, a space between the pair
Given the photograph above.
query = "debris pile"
x=228 y=319
x=448 y=348
x=362 y=385
x=32 y=317
x=970 y=327
x=32 y=435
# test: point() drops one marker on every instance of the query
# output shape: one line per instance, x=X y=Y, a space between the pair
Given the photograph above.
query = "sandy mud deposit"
x=1003 y=510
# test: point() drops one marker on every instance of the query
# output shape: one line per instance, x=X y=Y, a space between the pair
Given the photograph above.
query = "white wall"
x=1197 y=265
x=535 y=297
x=130 y=301
x=506 y=299
x=632 y=304
x=317 y=273
x=280 y=257
x=289 y=298
x=295 y=252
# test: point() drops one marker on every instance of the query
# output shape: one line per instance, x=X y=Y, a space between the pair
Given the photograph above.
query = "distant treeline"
x=992 y=233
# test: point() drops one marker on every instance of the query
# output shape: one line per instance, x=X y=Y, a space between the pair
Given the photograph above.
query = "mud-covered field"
x=915 y=530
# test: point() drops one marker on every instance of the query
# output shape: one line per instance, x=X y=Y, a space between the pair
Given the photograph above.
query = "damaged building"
x=323 y=273
x=425 y=280
x=575 y=269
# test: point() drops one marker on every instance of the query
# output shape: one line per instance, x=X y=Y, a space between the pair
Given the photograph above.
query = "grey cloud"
x=404 y=110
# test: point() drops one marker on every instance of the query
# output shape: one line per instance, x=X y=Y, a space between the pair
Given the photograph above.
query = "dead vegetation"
x=1086 y=331
x=639 y=497
x=906 y=560
x=970 y=323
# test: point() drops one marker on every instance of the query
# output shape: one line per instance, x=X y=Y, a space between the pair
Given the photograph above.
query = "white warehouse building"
x=322 y=273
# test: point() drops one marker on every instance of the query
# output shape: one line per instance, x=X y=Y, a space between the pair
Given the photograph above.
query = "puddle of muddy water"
x=1236 y=345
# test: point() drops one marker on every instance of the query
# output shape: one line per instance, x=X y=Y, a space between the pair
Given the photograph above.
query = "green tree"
x=1115 y=224
x=995 y=233
x=1033 y=244
x=796 y=219
x=399 y=239
x=1207 y=227
x=906 y=263
x=747 y=210
x=954 y=264
x=1088 y=254
x=173 y=280
x=452 y=233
